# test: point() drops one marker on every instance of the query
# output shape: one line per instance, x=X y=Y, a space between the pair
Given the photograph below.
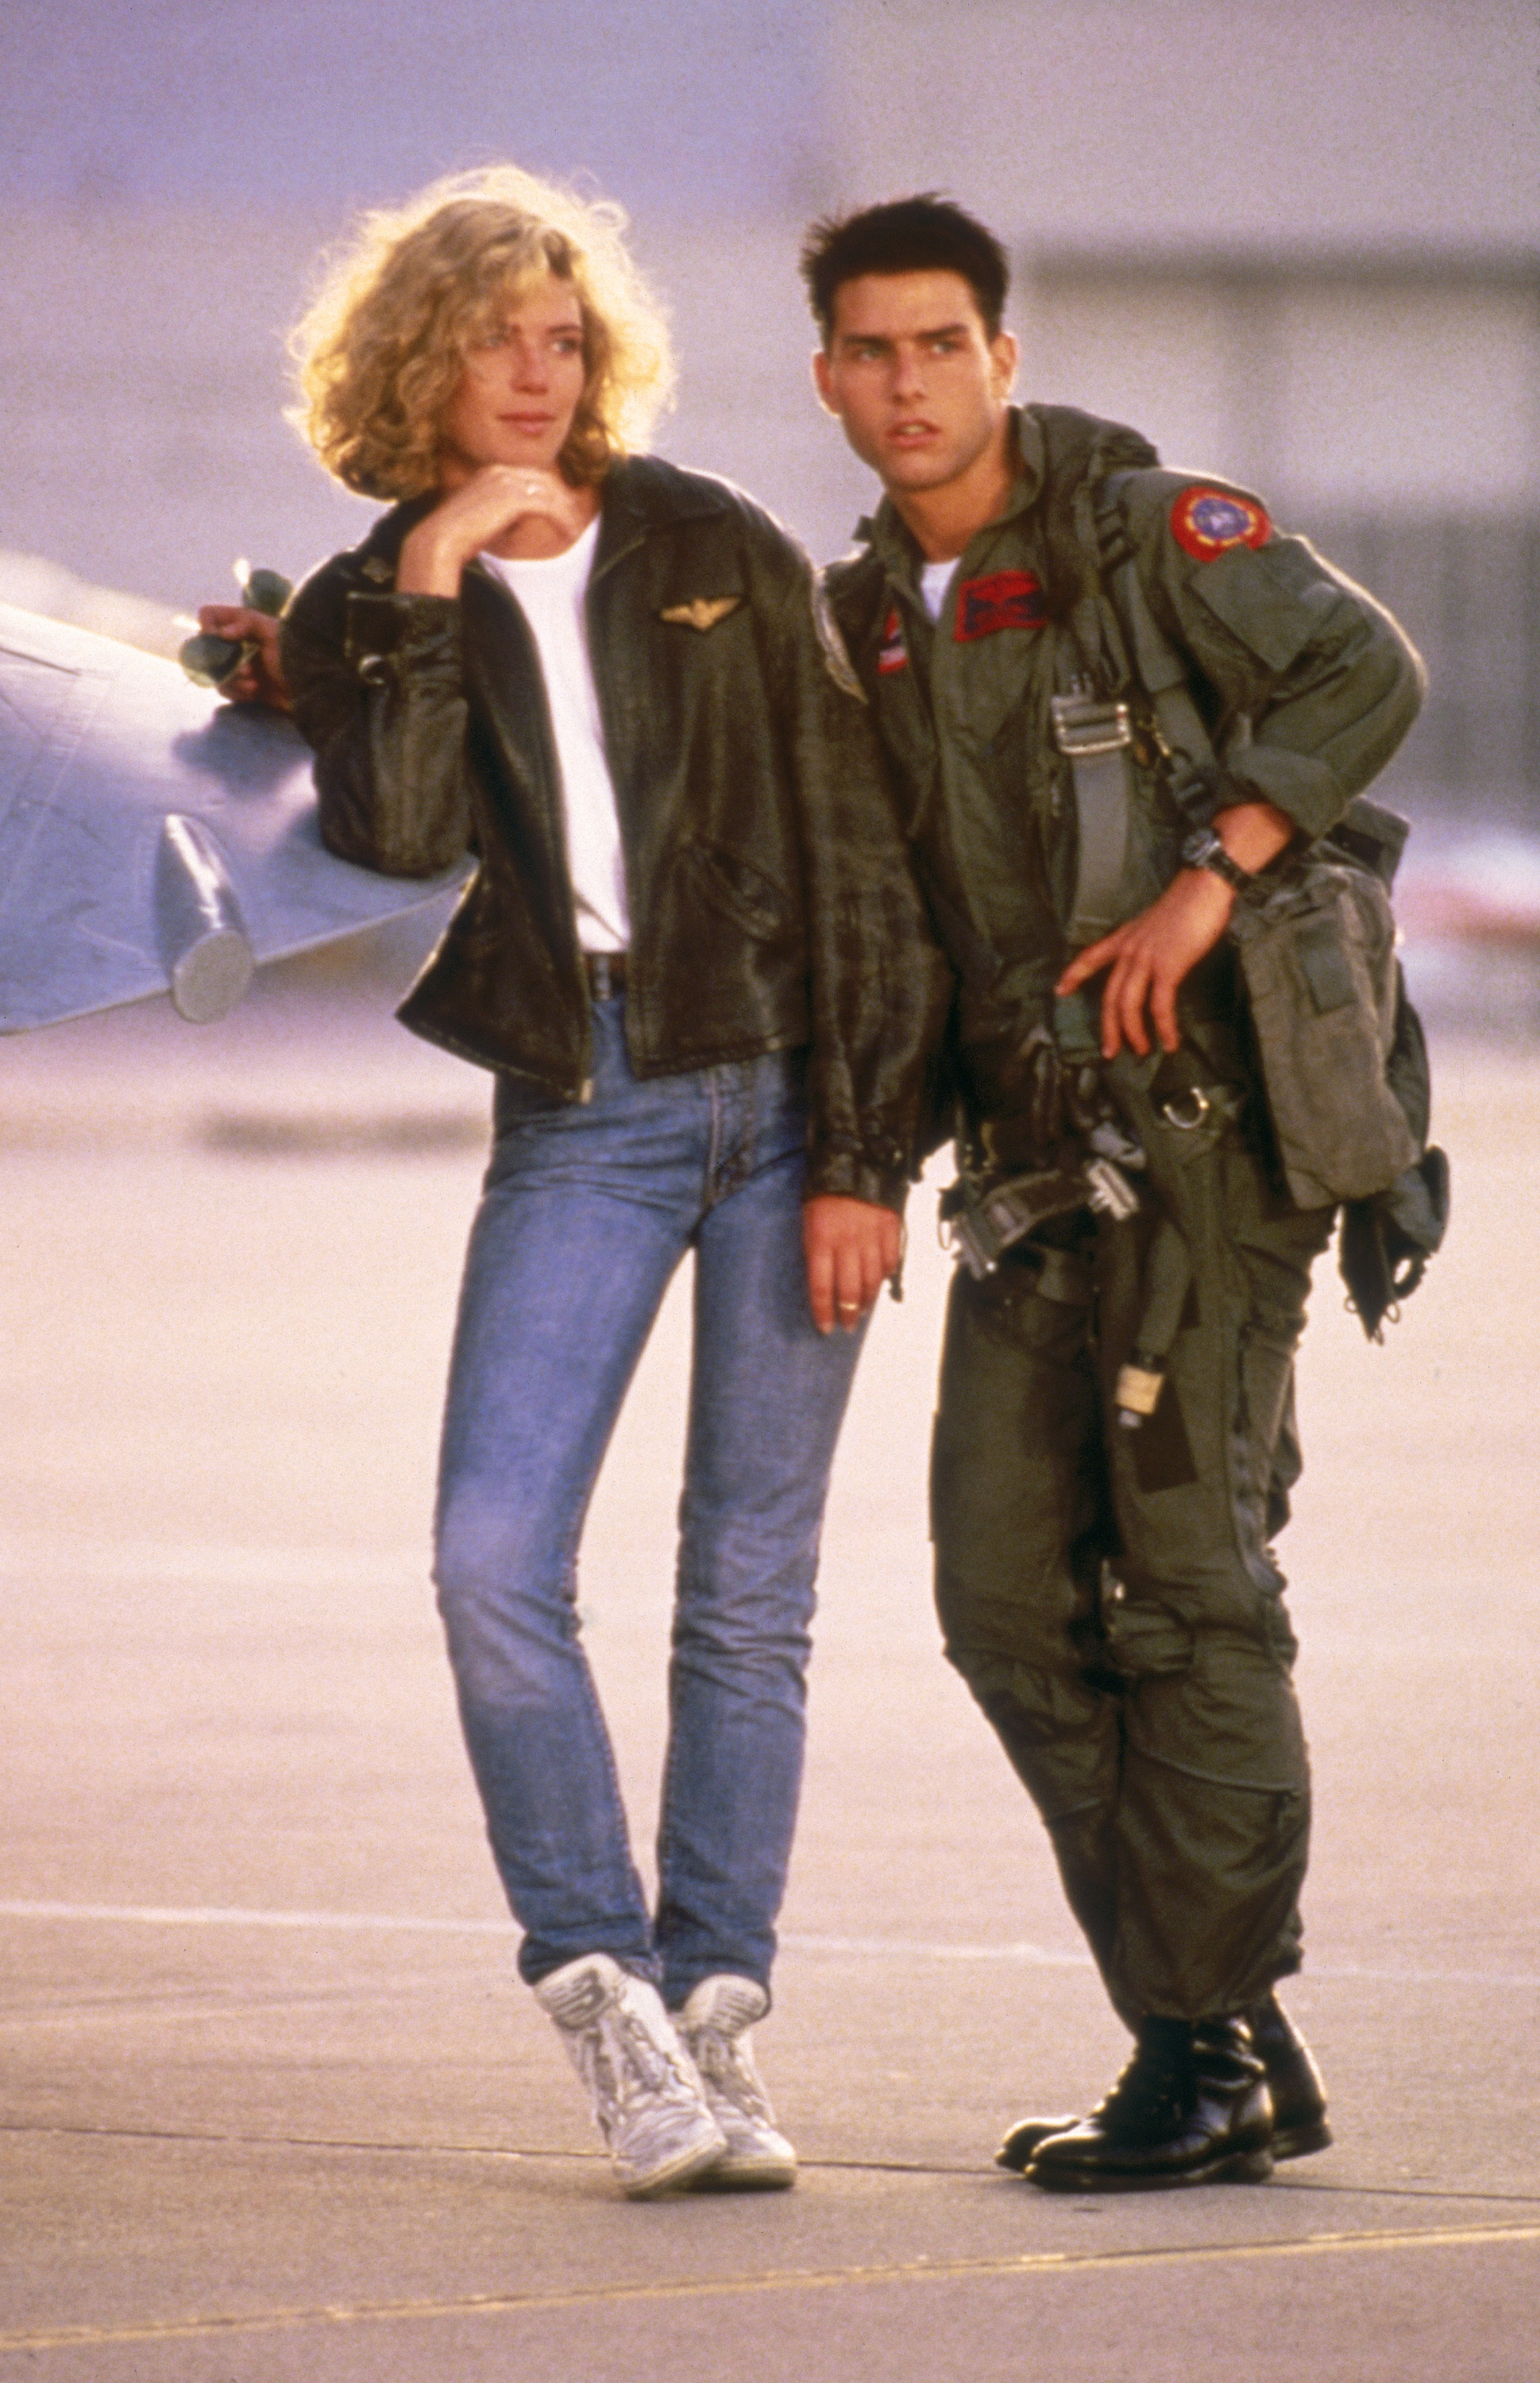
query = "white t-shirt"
x=935 y=578
x=549 y=594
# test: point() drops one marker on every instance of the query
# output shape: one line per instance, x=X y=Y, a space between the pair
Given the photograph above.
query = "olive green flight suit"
x=1110 y=1595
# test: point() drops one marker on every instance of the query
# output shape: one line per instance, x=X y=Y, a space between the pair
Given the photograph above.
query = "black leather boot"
x=1293 y=2081
x=1192 y=2107
x=1022 y=2140
x=1299 y=2096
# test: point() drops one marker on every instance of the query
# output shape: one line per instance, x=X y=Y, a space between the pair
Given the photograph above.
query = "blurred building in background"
x=1300 y=247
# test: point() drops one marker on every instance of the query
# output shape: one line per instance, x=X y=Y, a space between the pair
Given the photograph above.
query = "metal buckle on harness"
x=1201 y=1104
x=978 y=1226
x=1083 y=727
x=1109 y=1190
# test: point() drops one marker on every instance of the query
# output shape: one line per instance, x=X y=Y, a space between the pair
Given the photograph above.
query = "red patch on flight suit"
x=1004 y=599
x=894 y=654
x=1206 y=522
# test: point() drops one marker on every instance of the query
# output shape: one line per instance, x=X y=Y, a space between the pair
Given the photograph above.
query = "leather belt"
x=606 y=974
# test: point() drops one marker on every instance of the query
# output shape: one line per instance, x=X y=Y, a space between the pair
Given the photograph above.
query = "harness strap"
x=1156 y=665
x=1095 y=738
x=1120 y=642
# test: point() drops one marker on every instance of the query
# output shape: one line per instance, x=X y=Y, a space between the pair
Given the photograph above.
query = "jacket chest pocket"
x=986 y=688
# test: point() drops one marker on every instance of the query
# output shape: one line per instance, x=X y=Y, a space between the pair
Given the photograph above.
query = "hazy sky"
x=679 y=103
x=1346 y=121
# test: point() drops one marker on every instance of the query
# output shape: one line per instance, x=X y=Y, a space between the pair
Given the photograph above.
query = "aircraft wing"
x=154 y=839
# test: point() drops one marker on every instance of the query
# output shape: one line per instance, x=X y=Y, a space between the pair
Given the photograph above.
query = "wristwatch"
x=1202 y=850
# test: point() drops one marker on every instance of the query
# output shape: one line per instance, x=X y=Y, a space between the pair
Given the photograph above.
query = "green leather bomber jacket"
x=771 y=899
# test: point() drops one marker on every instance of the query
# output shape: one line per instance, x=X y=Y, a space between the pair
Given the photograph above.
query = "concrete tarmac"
x=273 y=2103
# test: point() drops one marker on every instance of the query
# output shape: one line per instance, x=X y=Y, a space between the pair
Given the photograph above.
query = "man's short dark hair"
x=923 y=234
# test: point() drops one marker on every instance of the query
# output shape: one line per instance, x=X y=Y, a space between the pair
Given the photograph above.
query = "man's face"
x=521 y=383
x=914 y=378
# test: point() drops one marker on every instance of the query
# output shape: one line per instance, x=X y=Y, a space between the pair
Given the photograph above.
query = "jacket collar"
x=388 y=536
x=640 y=494
x=894 y=543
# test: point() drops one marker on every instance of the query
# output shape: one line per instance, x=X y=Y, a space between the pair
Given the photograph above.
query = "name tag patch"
x=892 y=654
x=1206 y=522
x=1001 y=600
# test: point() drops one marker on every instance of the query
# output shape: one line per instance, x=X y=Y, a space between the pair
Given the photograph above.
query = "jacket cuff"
x=857 y=1175
x=386 y=635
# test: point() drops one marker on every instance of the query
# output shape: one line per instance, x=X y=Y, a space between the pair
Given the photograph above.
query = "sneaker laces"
x=648 y=2066
x=618 y=2060
x=722 y=2054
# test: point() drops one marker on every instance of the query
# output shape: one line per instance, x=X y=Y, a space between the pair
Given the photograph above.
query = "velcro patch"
x=1002 y=599
x=894 y=654
x=1206 y=522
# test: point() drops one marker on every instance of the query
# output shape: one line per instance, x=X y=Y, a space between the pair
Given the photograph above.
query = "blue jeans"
x=586 y=1213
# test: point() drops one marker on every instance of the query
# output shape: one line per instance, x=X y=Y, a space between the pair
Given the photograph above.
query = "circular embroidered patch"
x=1206 y=522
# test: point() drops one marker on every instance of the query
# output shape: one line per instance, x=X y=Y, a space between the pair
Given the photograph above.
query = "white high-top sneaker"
x=647 y=2096
x=715 y=2025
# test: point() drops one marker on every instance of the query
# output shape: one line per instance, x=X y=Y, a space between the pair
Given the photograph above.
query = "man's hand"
x=511 y=508
x=260 y=678
x=1149 y=957
x=851 y=1246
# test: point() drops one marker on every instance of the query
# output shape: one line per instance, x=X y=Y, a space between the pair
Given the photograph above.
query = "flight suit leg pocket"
x=1017 y=1494
x=1145 y=1639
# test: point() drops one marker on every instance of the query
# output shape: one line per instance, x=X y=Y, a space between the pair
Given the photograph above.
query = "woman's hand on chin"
x=520 y=511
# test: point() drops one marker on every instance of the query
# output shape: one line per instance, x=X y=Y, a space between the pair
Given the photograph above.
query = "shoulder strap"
x=1080 y=452
x=1092 y=719
x=1156 y=667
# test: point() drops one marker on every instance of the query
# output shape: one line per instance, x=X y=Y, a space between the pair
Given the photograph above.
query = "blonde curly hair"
x=381 y=351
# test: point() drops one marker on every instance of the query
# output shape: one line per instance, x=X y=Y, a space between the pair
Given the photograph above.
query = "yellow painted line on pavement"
x=917 y=2271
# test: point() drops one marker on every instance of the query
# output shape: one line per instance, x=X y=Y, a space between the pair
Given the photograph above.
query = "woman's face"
x=521 y=384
